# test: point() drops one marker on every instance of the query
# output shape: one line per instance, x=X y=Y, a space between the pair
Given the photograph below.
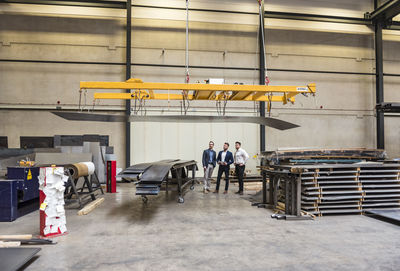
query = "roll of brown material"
x=78 y=170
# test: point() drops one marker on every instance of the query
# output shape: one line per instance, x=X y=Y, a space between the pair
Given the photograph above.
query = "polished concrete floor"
x=209 y=232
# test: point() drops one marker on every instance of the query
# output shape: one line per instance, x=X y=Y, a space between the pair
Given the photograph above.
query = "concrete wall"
x=341 y=115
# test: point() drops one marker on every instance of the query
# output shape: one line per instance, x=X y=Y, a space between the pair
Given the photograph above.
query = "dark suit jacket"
x=206 y=158
x=228 y=158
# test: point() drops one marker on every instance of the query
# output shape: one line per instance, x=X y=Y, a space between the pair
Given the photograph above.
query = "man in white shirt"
x=240 y=159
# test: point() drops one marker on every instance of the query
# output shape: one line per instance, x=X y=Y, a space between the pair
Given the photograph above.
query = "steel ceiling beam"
x=117 y=5
x=388 y=107
x=386 y=12
x=268 y=14
x=316 y=17
x=37 y=61
x=75 y=3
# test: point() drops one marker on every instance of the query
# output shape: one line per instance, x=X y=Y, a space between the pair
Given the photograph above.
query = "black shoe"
x=241 y=193
x=238 y=192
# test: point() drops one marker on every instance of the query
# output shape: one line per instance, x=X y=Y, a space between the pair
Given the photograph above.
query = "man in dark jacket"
x=209 y=163
x=224 y=160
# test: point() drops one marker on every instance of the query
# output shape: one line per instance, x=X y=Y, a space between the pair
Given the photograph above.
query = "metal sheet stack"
x=339 y=189
x=334 y=181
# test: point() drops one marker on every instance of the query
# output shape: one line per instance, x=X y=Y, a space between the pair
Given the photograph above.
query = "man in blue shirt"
x=224 y=160
x=209 y=163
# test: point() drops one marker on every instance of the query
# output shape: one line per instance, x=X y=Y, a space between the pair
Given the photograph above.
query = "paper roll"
x=90 y=167
x=81 y=169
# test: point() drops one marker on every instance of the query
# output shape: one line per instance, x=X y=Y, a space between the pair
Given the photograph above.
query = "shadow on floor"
x=252 y=198
x=139 y=212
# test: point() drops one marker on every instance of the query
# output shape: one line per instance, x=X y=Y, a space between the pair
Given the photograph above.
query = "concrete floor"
x=209 y=232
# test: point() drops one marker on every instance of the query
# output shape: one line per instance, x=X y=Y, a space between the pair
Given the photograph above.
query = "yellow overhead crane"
x=220 y=93
x=190 y=92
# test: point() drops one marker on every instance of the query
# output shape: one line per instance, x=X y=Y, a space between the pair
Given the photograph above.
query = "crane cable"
x=261 y=28
x=185 y=101
x=187 y=42
x=266 y=80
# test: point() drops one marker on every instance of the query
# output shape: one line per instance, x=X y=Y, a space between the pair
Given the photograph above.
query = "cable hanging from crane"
x=261 y=28
x=80 y=106
x=185 y=104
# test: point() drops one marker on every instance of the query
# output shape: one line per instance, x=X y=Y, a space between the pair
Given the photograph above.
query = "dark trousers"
x=222 y=169
x=239 y=173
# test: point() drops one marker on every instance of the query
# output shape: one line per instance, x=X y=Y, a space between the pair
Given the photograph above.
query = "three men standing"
x=224 y=160
x=241 y=158
x=209 y=163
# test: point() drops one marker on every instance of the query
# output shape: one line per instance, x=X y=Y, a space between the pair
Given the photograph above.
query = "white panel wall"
x=156 y=141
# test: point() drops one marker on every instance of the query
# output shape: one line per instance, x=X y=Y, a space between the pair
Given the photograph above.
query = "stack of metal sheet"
x=331 y=181
x=304 y=156
x=354 y=188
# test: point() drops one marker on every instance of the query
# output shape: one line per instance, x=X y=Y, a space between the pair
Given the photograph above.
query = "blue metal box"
x=19 y=195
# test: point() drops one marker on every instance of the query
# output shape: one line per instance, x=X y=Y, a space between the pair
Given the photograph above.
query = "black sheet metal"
x=150 y=176
x=138 y=168
x=383 y=204
x=156 y=173
x=144 y=189
x=270 y=122
x=391 y=215
x=12 y=259
x=129 y=176
x=134 y=171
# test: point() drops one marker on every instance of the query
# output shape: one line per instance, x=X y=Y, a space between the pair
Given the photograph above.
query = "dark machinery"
x=19 y=193
x=149 y=177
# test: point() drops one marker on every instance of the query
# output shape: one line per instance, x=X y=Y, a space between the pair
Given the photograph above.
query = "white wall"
x=156 y=141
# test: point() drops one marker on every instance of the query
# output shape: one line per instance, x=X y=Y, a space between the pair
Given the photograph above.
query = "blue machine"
x=19 y=194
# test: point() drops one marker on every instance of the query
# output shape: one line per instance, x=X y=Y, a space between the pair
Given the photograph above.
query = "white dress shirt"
x=223 y=155
x=241 y=156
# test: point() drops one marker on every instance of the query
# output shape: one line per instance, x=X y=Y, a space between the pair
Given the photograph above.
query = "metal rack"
x=335 y=188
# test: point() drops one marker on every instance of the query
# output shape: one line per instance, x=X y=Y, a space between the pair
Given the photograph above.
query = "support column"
x=376 y=4
x=261 y=43
x=128 y=76
x=380 y=127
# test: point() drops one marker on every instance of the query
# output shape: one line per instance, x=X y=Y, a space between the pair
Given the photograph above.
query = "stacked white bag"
x=51 y=183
